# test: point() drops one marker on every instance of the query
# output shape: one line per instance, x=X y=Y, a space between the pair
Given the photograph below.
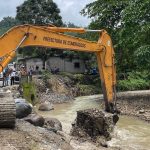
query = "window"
x=76 y=65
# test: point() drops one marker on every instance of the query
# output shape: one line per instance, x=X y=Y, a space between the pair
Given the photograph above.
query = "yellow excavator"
x=54 y=37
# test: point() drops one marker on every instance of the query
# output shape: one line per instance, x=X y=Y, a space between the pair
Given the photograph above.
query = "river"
x=129 y=133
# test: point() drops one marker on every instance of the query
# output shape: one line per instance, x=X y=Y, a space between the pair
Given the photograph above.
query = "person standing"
x=12 y=77
x=30 y=75
x=4 y=79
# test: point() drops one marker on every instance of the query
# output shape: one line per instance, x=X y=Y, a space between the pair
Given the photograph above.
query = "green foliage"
x=128 y=22
x=104 y=13
x=87 y=79
x=142 y=55
x=45 y=76
x=135 y=81
x=88 y=89
x=39 y=12
x=29 y=92
x=7 y=23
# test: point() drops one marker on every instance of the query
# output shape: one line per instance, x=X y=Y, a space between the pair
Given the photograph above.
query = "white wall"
x=64 y=65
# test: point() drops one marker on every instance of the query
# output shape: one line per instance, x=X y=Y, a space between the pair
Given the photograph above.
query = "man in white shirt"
x=12 y=77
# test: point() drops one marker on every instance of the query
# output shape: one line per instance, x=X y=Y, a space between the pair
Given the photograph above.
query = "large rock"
x=34 y=119
x=23 y=108
x=53 y=124
x=20 y=100
x=46 y=106
x=93 y=123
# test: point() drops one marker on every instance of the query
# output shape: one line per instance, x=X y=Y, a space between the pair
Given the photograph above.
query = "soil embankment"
x=63 y=88
x=56 y=89
x=135 y=103
x=60 y=89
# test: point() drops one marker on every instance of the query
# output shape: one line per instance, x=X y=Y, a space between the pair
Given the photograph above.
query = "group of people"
x=9 y=77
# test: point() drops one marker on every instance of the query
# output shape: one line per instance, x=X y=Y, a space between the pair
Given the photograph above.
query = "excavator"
x=55 y=37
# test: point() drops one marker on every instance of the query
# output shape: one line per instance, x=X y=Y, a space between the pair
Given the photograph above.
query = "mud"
x=135 y=103
x=95 y=125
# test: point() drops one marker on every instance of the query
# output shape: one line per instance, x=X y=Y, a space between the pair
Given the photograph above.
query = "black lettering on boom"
x=64 y=42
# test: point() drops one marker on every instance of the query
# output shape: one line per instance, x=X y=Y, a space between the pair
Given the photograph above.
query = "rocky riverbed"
x=36 y=132
x=135 y=103
x=26 y=136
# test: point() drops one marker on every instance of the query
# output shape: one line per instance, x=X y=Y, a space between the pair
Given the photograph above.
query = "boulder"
x=20 y=100
x=23 y=108
x=46 y=106
x=53 y=124
x=93 y=123
x=16 y=95
x=142 y=111
x=34 y=119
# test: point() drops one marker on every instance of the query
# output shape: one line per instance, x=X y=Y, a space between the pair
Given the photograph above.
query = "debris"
x=94 y=123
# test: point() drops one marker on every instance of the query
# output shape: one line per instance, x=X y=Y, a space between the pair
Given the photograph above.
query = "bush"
x=29 y=92
x=135 y=81
x=45 y=76
x=88 y=89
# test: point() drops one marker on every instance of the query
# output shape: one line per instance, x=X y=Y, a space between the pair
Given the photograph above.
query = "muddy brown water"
x=129 y=133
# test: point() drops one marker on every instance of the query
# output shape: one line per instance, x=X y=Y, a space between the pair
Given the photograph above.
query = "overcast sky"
x=69 y=10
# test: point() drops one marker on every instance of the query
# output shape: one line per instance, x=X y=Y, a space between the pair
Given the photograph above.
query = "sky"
x=69 y=10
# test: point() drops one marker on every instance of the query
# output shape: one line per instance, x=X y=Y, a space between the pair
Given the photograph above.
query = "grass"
x=29 y=92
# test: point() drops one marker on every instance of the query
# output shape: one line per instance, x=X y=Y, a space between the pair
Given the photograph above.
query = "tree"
x=39 y=12
x=105 y=13
x=136 y=32
x=7 y=23
x=128 y=22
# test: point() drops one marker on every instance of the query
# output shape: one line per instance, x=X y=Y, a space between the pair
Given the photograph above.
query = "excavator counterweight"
x=54 y=37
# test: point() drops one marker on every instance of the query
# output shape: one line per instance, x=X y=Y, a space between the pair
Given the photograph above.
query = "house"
x=74 y=65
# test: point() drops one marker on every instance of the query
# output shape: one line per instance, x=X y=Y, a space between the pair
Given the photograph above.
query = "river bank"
x=26 y=139
x=61 y=89
x=129 y=134
x=64 y=88
x=62 y=92
x=135 y=103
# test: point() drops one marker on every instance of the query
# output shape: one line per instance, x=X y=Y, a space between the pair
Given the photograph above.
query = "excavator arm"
x=54 y=37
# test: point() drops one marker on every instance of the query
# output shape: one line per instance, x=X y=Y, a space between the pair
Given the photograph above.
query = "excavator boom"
x=54 y=37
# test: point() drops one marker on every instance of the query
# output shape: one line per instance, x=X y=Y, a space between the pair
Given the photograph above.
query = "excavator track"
x=7 y=110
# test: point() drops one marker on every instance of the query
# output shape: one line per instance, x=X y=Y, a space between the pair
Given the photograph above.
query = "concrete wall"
x=70 y=66
x=32 y=63
x=53 y=62
x=65 y=65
